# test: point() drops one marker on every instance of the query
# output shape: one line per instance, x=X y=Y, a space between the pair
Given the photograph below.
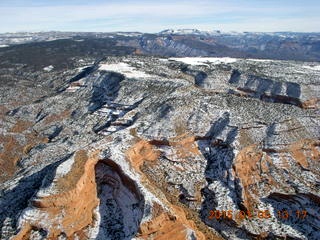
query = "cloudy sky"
x=154 y=16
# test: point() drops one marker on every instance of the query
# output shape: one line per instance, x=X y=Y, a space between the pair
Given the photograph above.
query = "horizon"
x=202 y=30
x=149 y=17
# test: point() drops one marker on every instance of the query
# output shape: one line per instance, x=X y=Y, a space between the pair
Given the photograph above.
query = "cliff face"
x=64 y=205
x=149 y=148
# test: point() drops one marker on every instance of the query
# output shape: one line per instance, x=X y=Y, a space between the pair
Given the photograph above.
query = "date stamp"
x=258 y=213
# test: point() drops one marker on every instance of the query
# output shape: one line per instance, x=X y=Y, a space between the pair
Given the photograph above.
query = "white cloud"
x=152 y=17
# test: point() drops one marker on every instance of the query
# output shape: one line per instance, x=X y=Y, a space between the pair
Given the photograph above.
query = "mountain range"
x=193 y=42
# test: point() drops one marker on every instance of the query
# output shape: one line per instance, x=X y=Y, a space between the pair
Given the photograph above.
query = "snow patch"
x=261 y=60
x=65 y=167
x=204 y=61
x=79 y=69
x=94 y=228
x=128 y=34
x=72 y=89
x=2 y=46
x=32 y=215
x=48 y=68
x=124 y=69
x=315 y=68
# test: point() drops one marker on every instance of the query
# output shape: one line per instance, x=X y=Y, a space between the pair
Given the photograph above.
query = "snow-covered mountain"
x=192 y=42
x=195 y=32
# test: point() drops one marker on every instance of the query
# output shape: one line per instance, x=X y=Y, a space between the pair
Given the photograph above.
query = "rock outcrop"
x=65 y=205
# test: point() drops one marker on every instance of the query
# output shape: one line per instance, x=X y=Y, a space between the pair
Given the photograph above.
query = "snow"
x=112 y=129
x=128 y=34
x=64 y=167
x=79 y=69
x=72 y=88
x=261 y=60
x=198 y=32
x=48 y=68
x=32 y=215
x=2 y=46
x=62 y=170
x=94 y=228
x=124 y=69
x=298 y=71
x=315 y=68
x=182 y=31
x=203 y=61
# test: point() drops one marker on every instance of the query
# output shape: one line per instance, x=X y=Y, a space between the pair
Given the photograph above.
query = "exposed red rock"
x=311 y=103
x=185 y=146
x=68 y=208
x=248 y=168
x=304 y=150
x=252 y=166
x=9 y=156
x=140 y=152
x=58 y=117
x=164 y=224
x=21 y=126
x=13 y=150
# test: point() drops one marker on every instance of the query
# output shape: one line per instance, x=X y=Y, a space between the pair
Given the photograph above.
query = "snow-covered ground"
x=261 y=60
x=48 y=68
x=204 y=60
x=65 y=167
x=316 y=68
x=124 y=69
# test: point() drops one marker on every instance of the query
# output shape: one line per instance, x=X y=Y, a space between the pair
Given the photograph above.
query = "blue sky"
x=152 y=16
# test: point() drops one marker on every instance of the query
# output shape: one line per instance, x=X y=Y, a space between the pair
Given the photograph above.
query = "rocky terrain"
x=141 y=147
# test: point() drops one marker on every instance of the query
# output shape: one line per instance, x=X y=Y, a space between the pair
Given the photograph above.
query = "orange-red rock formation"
x=68 y=207
x=172 y=224
x=252 y=165
x=185 y=146
x=13 y=149
x=169 y=225
x=58 y=117
x=311 y=103
x=305 y=149
x=140 y=152
x=143 y=150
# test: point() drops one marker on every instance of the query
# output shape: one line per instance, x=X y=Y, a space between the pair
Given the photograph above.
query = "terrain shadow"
x=217 y=149
x=265 y=89
x=121 y=203
x=14 y=201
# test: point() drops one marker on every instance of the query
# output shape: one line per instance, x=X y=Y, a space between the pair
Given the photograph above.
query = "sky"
x=155 y=16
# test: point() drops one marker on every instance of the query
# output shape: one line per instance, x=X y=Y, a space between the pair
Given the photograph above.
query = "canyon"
x=145 y=147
